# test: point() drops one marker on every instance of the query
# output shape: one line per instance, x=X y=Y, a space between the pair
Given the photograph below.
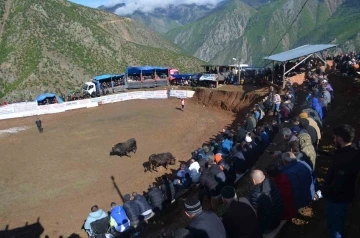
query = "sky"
x=142 y=5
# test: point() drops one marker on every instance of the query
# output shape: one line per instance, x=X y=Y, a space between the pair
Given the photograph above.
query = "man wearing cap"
x=239 y=218
x=132 y=210
x=203 y=224
x=312 y=123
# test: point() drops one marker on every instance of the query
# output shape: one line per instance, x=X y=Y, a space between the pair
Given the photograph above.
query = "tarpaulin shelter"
x=303 y=51
x=108 y=76
x=131 y=70
x=44 y=96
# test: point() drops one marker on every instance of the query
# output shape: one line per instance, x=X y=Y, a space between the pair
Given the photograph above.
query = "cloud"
x=150 y=5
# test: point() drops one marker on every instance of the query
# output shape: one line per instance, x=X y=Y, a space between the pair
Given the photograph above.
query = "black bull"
x=123 y=149
x=156 y=160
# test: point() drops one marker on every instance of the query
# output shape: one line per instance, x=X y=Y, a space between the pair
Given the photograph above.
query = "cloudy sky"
x=142 y=5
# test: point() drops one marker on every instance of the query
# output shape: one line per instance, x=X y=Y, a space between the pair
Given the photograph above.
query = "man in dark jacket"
x=212 y=187
x=216 y=171
x=144 y=207
x=156 y=198
x=339 y=185
x=39 y=127
x=203 y=224
x=239 y=218
x=250 y=124
x=266 y=200
x=300 y=178
x=304 y=125
x=132 y=211
x=168 y=189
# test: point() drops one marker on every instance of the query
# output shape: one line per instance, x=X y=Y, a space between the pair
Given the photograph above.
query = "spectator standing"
x=119 y=219
x=156 y=198
x=283 y=184
x=276 y=102
x=39 y=126
x=203 y=224
x=300 y=179
x=94 y=215
x=305 y=127
x=266 y=200
x=144 y=207
x=168 y=189
x=339 y=185
x=194 y=171
x=132 y=211
x=239 y=218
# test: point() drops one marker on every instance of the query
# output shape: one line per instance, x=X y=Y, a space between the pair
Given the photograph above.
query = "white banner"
x=17 y=110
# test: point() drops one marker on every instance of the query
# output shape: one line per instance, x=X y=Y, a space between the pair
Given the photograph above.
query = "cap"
x=228 y=192
x=192 y=205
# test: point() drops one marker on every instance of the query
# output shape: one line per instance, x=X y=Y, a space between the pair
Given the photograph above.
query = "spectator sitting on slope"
x=119 y=218
x=144 y=207
x=94 y=215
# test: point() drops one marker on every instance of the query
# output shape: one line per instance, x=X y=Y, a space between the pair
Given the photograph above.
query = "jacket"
x=156 y=198
x=119 y=219
x=168 y=190
x=327 y=97
x=339 y=184
x=250 y=124
x=304 y=123
x=206 y=225
x=317 y=107
x=266 y=200
x=307 y=148
x=142 y=204
x=94 y=216
x=207 y=179
x=300 y=180
x=313 y=123
x=132 y=210
x=194 y=172
x=314 y=115
x=240 y=221
x=226 y=146
x=283 y=184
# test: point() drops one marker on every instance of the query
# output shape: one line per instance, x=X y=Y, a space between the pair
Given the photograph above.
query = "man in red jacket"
x=283 y=184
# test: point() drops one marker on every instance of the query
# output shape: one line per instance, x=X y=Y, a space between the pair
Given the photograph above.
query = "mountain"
x=167 y=18
x=237 y=30
x=55 y=45
x=212 y=38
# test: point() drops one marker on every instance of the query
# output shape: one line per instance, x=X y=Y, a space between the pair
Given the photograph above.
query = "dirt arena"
x=58 y=175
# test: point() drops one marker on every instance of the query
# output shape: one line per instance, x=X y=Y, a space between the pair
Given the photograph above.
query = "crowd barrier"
x=27 y=109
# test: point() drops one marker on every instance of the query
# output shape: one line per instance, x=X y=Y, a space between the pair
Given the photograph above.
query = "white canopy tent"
x=302 y=51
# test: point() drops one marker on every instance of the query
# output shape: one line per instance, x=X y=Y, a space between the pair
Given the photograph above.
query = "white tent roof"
x=298 y=52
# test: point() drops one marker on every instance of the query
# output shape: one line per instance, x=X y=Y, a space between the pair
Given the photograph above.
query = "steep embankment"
x=55 y=45
x=234 y=101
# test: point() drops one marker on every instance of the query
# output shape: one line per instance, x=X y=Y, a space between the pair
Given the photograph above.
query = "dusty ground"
x=60 y=174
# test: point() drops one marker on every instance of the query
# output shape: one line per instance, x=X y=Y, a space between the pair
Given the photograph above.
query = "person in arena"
x=182 y=104
x=39 y=126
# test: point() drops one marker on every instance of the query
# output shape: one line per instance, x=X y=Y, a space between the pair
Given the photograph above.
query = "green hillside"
x=234 y=29
x=55 y=45
x=209 y=36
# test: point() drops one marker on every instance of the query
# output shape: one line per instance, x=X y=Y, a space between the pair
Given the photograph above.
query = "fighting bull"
x=156 y=160
x=124 y=149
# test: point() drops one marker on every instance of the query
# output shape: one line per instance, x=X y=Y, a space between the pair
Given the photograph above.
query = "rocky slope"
x=257 y=31
x=164 y=19
x=55 y=45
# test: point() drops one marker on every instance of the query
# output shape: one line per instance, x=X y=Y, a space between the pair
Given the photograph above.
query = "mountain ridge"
x=56 y=45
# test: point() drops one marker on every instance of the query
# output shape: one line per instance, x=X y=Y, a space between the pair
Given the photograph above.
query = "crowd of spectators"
x=288 y=184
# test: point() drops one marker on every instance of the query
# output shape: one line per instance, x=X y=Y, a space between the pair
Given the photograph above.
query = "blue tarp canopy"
x=301 y=51
x=44 y=96
x=144 y=69
x=182 y=76
x=107 y=76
